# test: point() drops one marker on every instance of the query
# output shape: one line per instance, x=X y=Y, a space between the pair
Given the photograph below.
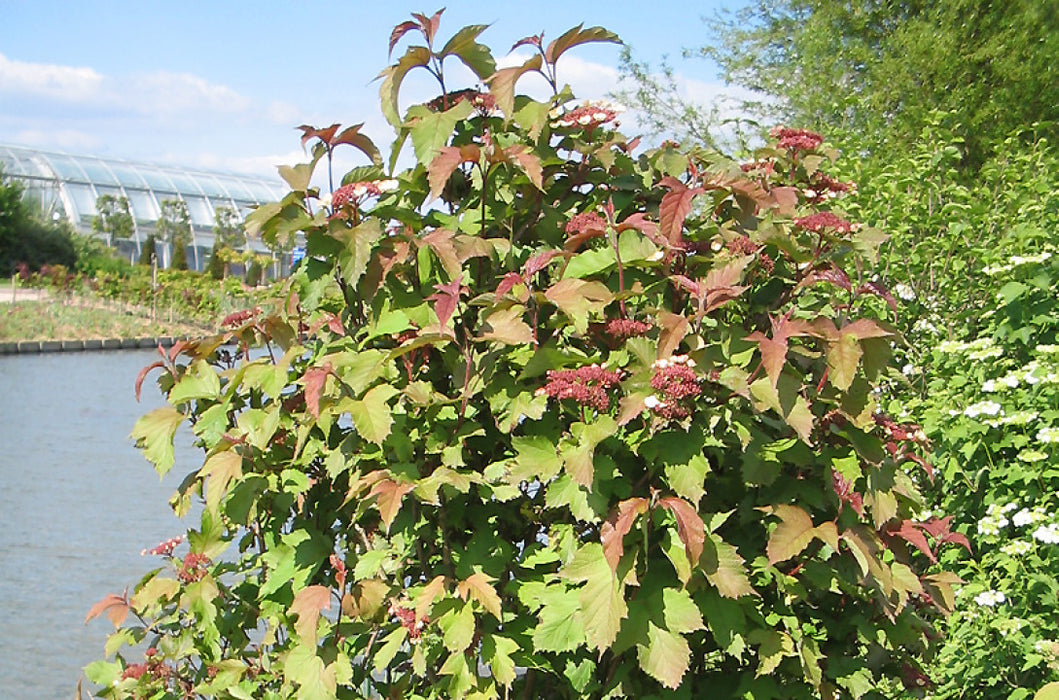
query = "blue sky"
x=222 y=85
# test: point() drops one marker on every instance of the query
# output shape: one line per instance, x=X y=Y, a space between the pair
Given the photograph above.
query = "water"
x=78 y=502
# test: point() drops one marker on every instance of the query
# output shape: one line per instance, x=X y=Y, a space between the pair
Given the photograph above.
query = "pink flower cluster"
x=483 y=102
x=152 y=668
x=407 y=618
x=238 y=318
x=620 y=329
x=823 y=187
x=766 y=167
x=584 y=223
x=353 y=194
x=589 y=115
x=796 y=139
x=586 y=385
x=193 y=568
x=165 y=549
x=676 y=384
x=742 y=245
x=823 y=221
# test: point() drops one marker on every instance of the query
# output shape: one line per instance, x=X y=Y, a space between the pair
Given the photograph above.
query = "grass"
x=68 y=320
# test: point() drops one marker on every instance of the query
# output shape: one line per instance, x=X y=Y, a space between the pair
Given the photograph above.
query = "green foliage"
x=541 y=416
x=883 y=67
x=25 y=238
x=975 y=271
x=148 y=251
x=113 y=219
x=174 y=229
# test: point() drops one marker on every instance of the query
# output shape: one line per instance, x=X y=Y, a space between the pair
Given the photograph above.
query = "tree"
x=228 y=234
x=541 y=416
x=113 y=219
x=174 y=231
x=26 y=238
x=876 y=70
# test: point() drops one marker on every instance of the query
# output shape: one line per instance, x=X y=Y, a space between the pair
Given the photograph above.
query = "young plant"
x=543 y=416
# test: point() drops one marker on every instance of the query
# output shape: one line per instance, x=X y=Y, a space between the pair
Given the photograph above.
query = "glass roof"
x=82 y=179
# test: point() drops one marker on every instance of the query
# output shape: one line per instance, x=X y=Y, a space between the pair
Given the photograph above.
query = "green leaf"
x=391 y=644
x=576 y=36
x=475 y=56
x=479 y=588
x=680 y=612
x=536 y=458
x=843 y=358
x=392 y=77
x=502 y=84
x=560 y=628
x=457 y=628
x=431 y=131
x=304 y=667
x=578 y=459
x=688 y=479
x=199 y=382
x=724 y=568
x=602 y=597
x=791 y=536
x=497 y=651
x=307 y=606
x=222 y=468
x=665 y=656
x=578 y=298
x=371 y=415
x=154 y=435
x=358 y=243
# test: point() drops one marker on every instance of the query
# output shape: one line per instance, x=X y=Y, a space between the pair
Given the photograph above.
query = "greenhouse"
x=69 y=186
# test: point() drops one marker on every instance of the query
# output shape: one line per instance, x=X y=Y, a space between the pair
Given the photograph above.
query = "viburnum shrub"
x=543 y=415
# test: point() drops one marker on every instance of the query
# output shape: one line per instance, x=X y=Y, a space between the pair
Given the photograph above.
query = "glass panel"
x=158 y=182
x=142 y=206
x=67 y=169
x=84 y=201
x=200 y=212
x=127 y=176
x=236 y=189
x=210 y=186
x=184 y=184
x=97 y=172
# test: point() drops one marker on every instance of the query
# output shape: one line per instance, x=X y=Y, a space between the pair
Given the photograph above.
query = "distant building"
x=67 y=187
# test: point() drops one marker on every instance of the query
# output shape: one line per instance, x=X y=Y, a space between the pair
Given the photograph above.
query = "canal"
x=79 y=503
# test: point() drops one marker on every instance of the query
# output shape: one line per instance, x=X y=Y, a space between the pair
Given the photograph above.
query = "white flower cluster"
x=995 y=518
x=592 y=113
x=925 y=326
x=983 y=408
x=1048 y=534
x=1029 y=517
x=1047 y=349
x=674 y=360
x=977 y=350
x=1015 y=261
x=1017 y=548
x=1048 y=435
x=990 y=598
x=1020 y=418
x=904 y=292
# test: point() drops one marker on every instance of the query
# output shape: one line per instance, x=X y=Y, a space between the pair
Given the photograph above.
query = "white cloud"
x=65 y=139
x=67 y=83
x=165 y=93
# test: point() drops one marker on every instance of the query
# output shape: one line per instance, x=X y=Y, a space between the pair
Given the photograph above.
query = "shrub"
x=543 y=415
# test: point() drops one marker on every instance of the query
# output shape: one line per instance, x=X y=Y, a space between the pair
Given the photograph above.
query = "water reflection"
x=78 y=503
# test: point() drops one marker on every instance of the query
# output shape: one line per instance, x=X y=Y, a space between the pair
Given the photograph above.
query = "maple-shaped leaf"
x=791 y=536
x=143 y=375
x=502 y=82
x=325 y=134
x=527 y=161
x=879 y=289
x=720 y=286
x=774 y=350
x=445 y=163
x=464 y=46
x=641 y=223
x=115 y=606
x=307 y=605
x=574 y=37
x=388 y=496
x=674 y=208
x=508 y=283
x=424 y=600
x=478 y=586
x=908 y=531
x=941 y=530
x=446 y=299
x=602 y=600
x=830 y=273
x=365 y=598
x=690 y=528
x=618 y=524
x=314 y=379
x=674 y=328
x=725 y=569
x=538 y=262
x=442 y=244
x=665 y=657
